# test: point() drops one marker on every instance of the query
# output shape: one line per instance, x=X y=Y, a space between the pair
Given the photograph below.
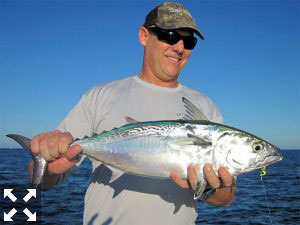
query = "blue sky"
x=54 y=51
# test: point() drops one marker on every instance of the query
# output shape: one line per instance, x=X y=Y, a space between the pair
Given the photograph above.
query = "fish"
x=158 y=148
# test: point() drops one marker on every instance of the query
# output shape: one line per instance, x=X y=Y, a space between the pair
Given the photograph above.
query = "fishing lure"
x=263 y=171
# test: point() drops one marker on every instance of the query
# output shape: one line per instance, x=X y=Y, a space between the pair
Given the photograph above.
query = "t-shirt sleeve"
x=79 y=122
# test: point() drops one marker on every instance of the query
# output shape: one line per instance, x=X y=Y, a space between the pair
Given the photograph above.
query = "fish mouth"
x=270 y=159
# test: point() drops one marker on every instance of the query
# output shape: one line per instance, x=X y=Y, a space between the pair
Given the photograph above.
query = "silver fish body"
x=157 y=148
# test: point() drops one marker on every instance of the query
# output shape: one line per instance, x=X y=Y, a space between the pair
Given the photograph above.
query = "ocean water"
x=281 y=187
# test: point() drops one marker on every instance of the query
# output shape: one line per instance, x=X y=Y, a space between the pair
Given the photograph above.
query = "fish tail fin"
x=40 y=164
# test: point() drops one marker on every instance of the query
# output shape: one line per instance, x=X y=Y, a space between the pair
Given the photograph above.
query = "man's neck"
x=152 y=79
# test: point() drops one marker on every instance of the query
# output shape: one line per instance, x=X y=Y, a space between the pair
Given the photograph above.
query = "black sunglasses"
x=171 y=37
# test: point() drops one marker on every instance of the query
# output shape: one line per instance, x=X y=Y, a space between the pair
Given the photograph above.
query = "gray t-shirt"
x=133 y=199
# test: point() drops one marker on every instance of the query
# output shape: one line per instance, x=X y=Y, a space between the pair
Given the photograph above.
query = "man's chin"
x=172 y=76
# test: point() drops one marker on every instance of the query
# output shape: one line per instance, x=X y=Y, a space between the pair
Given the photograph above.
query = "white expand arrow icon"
x=7 y=192
x=8 y=216
x=31 y=217
x=31 y=193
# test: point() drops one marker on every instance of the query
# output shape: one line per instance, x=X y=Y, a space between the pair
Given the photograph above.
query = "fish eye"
x=258 y=146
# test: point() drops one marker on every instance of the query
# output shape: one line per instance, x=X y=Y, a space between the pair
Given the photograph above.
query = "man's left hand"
x=223 y=183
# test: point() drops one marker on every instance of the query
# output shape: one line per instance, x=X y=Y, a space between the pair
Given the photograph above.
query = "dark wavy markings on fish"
x=138 y=129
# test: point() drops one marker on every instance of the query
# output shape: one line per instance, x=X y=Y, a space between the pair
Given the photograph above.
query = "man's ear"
x=143 y=36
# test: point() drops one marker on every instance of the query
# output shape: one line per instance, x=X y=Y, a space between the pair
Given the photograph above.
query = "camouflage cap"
x=171 y=16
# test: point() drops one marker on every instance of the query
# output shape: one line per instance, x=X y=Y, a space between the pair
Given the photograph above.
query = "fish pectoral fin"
x=130 y=120
x=192 y=140
x=183 y=141
x=199 y=141
x=200 y=187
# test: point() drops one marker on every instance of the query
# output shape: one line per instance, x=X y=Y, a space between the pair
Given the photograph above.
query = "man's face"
x=166 y=61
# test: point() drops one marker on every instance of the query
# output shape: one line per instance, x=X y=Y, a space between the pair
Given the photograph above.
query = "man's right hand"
x=54 y=146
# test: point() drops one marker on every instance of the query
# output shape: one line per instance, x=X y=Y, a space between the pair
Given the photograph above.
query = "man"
x=154 y=94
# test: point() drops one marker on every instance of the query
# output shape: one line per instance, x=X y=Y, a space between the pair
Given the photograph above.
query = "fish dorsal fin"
x=94 y=134
x=201 y=185
x=130 y=120
x=199 y=141
x=193 y=113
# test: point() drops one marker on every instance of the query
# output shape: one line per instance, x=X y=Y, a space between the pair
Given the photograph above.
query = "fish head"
x=242 y=152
